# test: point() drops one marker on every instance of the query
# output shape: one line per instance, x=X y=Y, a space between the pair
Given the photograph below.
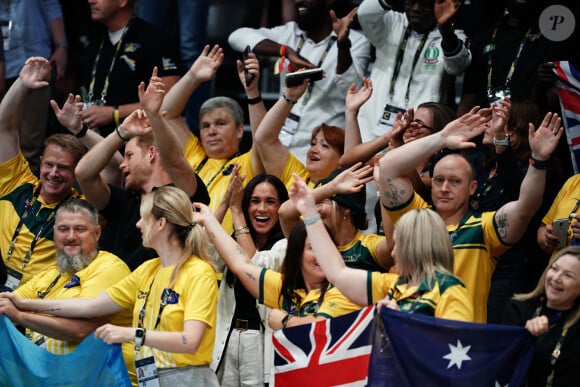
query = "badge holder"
x=13 y=278
x=289 y=129
x=387 y=120
x=145 y=368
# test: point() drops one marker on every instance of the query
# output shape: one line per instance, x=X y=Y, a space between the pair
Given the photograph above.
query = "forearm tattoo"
x=183 y=339
x=250 y=276
x=393 y=197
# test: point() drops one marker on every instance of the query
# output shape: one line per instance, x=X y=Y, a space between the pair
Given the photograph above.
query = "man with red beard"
x=28 y=204
x=316 y=39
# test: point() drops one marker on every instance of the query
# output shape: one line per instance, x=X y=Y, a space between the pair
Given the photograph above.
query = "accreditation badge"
x=13 y=279
x=147 y=375
x=387 y=119
x=289 y=129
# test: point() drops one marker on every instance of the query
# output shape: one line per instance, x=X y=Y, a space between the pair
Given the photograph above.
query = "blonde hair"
x=423 y=246
x=174 y=205
x=539 y=290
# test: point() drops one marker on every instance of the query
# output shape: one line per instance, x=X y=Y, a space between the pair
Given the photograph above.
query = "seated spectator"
x=81 y=270
x=423 y=257
x=477 y=238
x=300 y=290
x=173 y=297
x=550 y=312
x=317 y=38
x=152 y=159
x=28 y=203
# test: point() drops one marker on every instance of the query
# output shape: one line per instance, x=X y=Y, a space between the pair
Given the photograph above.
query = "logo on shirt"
x=168 y=64
x=431 y=57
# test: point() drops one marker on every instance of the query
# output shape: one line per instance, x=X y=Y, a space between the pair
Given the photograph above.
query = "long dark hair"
x=276 y=233
x=291 y=268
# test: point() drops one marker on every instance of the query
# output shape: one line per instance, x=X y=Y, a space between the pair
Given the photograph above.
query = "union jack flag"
x=568 y=82
x=333 y=352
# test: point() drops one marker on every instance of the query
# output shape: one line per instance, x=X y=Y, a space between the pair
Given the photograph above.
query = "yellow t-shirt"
x=18 y=187
x=564 y=204
x=194 y=298
x=293 y=165
x=105 y=270
x=476 y=246
x=445 y=298
x=216 y=173
x=333 y=304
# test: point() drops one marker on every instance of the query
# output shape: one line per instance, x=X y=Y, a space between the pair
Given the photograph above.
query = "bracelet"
x=82 y=132
x=539 y=164
x=241 y=231
x=116 y=114
x=283 y=50
x=254 y=101
x=286 y=319
x=119 y=134
x=292 y=101
x=308 y=220
x=504 y=142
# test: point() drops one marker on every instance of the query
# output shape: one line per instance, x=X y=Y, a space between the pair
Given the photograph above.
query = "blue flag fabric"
x=417 y=350
x=92 y=363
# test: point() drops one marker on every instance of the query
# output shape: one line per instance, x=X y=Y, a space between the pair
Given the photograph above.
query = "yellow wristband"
x=116 y=115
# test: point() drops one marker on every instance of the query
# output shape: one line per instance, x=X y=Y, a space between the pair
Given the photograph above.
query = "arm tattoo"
x=250 y=276
x=183 y=339
x=393 y=196
x=48 y=310
x=502 y=225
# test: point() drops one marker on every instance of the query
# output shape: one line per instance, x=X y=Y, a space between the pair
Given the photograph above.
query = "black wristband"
x=539 y=164
x=254 y=101
x=119 y=134
x=292 y=101
x=82 y=132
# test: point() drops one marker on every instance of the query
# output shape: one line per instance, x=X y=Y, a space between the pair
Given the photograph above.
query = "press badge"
x=146 y=370
x=6 y=32
x=289 y=129
x=13 y=279
x=387 y=120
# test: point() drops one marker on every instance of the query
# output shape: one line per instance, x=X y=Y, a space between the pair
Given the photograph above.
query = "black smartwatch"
x=139 y=338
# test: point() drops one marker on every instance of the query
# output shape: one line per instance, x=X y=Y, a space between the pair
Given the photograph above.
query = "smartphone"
x=560 y=229
x=296 y=78
x=249 y=77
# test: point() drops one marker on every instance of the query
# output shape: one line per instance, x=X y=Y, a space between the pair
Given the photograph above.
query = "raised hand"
x=445 y=9
x=35 y=72
x=236 y=188
x=355 y=99
x=352 y=179
x=400 y=126
x=152 y=98
x=499 y=117
x=302 y=196
x=544 y=140
x=206 y=65
x=342 y=26
x=252 y=65
x=135 y=124
x=70 y=116
x=458 y=132
x=295 y=92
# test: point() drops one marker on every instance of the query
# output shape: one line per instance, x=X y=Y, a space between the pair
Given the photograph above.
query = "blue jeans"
x=186 y=19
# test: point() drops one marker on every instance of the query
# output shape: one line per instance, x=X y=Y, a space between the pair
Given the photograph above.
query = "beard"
x=71 y=264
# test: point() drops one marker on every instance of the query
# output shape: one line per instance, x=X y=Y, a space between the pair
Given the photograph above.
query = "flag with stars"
x=417 y=350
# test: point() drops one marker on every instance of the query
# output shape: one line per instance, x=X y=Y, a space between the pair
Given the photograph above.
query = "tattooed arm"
x=514 y=217
x=229 y=250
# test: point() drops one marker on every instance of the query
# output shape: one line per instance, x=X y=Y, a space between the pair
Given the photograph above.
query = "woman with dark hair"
x=551 y=312
x=300 y=289
x=241 y=336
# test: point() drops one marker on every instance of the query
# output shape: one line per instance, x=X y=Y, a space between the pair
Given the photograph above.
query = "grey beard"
x=72 y=264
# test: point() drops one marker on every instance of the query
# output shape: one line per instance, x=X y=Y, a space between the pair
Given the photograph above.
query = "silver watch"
x=504 y=142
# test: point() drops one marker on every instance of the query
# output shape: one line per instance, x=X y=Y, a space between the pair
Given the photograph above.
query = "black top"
x=567 y=366
x=120 y=234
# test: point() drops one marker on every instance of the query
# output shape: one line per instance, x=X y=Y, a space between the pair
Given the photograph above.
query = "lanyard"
x=399 y=62
x=322 y=58
x=295 y=309
x=97 y=59
x=162 y=305
x=28 y=210
x=556 y=352
x=43 y=294
x=514 y=62
x=204 y=161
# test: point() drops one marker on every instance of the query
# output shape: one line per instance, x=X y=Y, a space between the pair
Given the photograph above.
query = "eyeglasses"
x=421 y=125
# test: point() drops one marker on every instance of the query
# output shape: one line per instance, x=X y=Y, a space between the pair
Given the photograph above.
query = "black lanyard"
x=113 y=60
x=322 y=58
x=399 y=62
x=557 y=349
x=162 y=305
x=204 y=161
x=29 y=210
x=514 y=62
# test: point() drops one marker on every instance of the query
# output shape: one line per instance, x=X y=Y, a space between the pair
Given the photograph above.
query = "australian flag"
x=333 y=352
x=568 y=82
x=417 y=350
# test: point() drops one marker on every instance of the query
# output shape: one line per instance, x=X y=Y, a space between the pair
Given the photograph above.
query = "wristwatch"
x=504 y=142
x=139 y=338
